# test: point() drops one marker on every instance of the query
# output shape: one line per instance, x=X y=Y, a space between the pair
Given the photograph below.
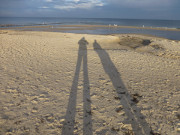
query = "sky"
x=128 y=9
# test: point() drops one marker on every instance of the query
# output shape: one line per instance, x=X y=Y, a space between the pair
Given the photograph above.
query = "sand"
x=63 y=83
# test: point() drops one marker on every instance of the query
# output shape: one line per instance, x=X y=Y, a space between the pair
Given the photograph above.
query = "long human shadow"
x=135 y=118
x=69 y=124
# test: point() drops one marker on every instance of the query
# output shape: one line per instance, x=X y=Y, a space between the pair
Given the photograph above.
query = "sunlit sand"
x=63 y=83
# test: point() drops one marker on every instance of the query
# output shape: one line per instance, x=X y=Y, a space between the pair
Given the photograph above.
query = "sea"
x=54 y=21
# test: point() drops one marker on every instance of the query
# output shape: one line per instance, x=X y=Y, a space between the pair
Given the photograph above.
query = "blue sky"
x=135 y=9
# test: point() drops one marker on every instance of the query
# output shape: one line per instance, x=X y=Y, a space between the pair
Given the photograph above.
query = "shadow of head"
x=96 y=45
x=82 y=43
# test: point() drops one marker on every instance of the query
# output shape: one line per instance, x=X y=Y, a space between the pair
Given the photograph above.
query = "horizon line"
x=92 y=18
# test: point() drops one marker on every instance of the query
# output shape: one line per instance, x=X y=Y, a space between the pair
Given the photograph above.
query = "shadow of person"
x=135 y=118
x=69 y=124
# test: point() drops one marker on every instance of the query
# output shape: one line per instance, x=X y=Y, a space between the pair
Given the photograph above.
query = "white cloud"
x=76 y=1
x=44 y=7
x=49 y=0
x=79 y=4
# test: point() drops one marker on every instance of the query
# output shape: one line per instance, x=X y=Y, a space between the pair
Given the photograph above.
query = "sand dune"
x=60 y=83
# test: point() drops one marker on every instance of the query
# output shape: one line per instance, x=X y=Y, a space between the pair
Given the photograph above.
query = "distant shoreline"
x=168 y=33
x=82 y=26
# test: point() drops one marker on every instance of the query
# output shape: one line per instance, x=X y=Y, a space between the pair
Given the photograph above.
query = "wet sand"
x=63 y=83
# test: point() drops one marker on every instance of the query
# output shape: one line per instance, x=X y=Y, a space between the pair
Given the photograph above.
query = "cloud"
x=49 y=0
x=79 y=4
x=76 y=0
x=92 y=8
x=44 y=7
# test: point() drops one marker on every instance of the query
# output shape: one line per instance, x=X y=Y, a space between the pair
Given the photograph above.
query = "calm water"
x=175 y=35
x=92 y=21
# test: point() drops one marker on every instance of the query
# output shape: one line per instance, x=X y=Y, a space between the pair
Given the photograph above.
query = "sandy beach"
x=63 y=83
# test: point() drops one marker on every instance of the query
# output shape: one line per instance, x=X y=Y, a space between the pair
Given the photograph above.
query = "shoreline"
x=4 y=31
x=170 y=34
x=91 y=27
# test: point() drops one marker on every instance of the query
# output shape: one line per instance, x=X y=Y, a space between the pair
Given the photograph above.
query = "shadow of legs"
x=68 y=127
x=87 y=124
x=139 y=125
